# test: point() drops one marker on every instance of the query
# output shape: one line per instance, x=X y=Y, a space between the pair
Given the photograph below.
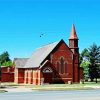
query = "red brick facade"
x=7 y=74
x=60 y=66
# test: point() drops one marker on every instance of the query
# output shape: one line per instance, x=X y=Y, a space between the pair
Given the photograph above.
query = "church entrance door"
x=47 y=75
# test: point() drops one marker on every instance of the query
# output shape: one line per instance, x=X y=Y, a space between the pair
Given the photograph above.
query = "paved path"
x=14 y=90
x=52 y=95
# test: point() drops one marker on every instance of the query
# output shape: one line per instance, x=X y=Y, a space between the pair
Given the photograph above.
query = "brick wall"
x=7 y=74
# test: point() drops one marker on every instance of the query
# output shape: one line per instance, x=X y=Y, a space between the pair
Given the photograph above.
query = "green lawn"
x=60 y=87
x=86 y=85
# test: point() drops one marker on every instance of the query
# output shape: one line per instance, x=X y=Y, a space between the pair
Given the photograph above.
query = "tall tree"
x=85 y=54
x=94 y=57
x=84 y=63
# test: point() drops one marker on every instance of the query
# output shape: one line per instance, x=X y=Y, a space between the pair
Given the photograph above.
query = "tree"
x=94 y=57
x=84 y=63
x=85 y=66
x=80 y=59
x=4 y=57
x=85 y=54
x=8 y=64
x=4 y=61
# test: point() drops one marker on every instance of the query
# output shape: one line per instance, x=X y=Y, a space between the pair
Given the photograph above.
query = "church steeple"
x=73 y=45
x=73 y=40
x=73 y=34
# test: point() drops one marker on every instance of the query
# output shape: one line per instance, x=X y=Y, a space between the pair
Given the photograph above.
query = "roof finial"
x=73 y=34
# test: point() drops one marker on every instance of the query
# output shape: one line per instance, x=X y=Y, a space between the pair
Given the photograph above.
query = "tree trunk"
x=91 y=79
x=96 y=80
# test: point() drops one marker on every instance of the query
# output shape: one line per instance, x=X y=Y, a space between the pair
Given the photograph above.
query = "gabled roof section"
x=45 y=62
x=20 y=62
x=73 y=34
x=39 y=55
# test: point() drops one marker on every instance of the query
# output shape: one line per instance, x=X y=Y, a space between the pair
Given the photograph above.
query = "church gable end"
x=62 y=60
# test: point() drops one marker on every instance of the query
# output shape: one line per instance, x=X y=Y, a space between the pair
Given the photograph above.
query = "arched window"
x=58 y=66
x=62 y=65
x=66 y=67
x=47 y=70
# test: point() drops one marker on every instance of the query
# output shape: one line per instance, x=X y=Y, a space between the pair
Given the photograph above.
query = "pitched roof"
x=73 y=34
x=20 y=62
x=39 y=55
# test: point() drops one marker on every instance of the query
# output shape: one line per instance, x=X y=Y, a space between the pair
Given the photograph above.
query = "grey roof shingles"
x=39 y=55
x=20 y=62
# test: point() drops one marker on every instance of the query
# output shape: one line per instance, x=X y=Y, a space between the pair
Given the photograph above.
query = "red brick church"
x=53 y=63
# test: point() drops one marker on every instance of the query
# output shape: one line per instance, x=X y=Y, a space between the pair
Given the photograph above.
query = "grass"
x=60 y=87
x=86 y=85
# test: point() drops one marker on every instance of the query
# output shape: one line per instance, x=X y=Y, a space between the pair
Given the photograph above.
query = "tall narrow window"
x=66 y=68
x=58 y=66
x=62 y=65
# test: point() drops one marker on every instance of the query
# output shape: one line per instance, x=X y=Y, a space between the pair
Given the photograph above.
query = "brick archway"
x=47 y=75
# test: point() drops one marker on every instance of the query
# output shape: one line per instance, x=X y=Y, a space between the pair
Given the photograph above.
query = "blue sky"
x=23 y=21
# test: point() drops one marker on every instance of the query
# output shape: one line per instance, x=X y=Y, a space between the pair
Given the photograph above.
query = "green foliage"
x=5 y=60
x=4 y=57
x=85 y=53
x=85 y=66
x=94 y=55
x=8 y=63
x=80 y=58
x=84 y=62
x=90 y=61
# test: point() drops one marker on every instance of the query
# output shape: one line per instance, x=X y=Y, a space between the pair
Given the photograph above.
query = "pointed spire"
x=73 y=34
